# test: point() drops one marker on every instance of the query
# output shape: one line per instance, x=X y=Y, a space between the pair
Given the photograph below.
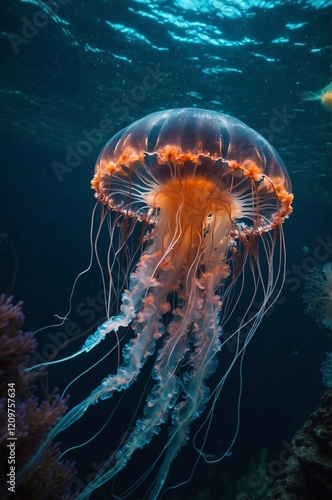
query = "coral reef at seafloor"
x=48 y=478
x=308 y=473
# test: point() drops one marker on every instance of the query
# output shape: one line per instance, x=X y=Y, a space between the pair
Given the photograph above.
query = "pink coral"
x=48 y=478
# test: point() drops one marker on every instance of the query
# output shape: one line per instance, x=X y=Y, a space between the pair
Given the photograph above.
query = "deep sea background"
x=59 y=82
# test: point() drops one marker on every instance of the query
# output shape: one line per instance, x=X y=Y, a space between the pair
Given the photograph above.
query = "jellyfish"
x=318 y=294
x=324 y=96
x=193 y=202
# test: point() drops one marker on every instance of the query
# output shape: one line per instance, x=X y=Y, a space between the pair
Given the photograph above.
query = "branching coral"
x=318 y=294
x=49 y=478
x=326 y=371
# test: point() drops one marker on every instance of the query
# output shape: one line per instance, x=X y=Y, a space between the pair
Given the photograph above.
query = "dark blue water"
x=74 y=73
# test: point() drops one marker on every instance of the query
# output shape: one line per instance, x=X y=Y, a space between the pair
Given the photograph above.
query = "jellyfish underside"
x=324 y=96
x=207 y=188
